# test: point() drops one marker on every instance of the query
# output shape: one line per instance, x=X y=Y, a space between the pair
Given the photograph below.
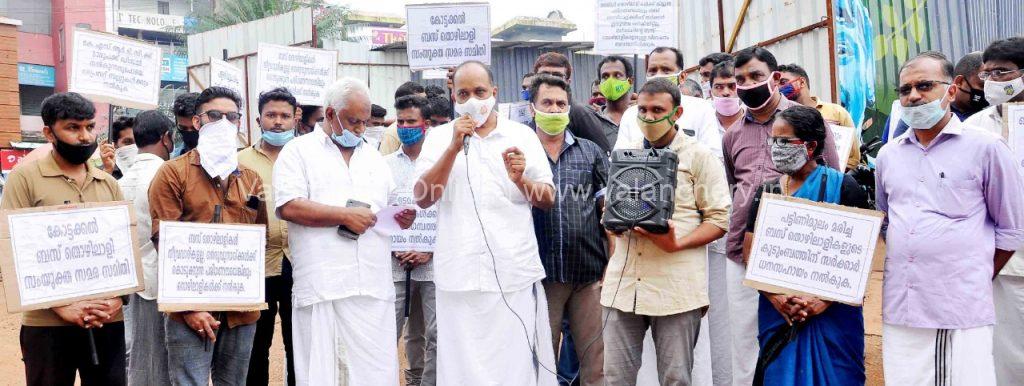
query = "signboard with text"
x=843 y=137
x=445 y=35
x=1013 y=131
x=36 y=75
x=635 y=26
x=384 y=36
x=116 y=70
x=306 y=72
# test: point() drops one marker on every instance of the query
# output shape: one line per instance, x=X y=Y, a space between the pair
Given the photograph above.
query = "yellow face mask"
x=654 y=130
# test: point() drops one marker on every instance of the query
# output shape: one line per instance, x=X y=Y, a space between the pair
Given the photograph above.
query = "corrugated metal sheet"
x=383 y=71
x=959 y=27
x=286 y=29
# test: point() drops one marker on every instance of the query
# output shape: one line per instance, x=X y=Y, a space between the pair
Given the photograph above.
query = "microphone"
x=465 y=145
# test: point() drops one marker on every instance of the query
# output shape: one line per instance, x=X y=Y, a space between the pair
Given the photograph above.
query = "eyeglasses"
x=922 y=87
x=215 y=115
x=997 y=74
x=554 y=74
x=785 y=141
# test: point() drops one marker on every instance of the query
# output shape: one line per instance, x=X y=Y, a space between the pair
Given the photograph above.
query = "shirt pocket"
x=575 y=182
x=959 y=195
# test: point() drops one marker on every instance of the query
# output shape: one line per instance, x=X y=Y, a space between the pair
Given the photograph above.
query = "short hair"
x=796 y=69
x=216 y=92
x=726 y=69
x=440 y=105
x=968 y=64
x=341 y=90
x=553 y=59
x=808 y=125
x=150 y=126
x=692 y=87
x=487 y=69
x=1010 y=50
x=378 y=111
x=185 y=105
x=658 y=86
x=550 y=80
x=944 y=63
x=414 y=101
x=678 y=54
x=528 y=74
x=615 y=58
x=747 y=54
x=279 y=94
x=308 y=110
x=66 y=105
x=409 y=88
x=715 y=59
x=120 y=124
x=434 y=90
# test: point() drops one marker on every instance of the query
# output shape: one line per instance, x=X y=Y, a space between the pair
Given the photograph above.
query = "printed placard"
x=224 y=74
x=843 y=137
x=1013 y=131
x=812 y=248
x=116 y=70
x=421 y=236
x=57 y=255
x=211 y=267
x=635 y=27
x=306 y=72
x=445 y=35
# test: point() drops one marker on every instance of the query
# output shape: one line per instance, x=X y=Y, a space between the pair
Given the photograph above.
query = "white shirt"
x=327 y=266
x=990 y=120
x=422 y=234
x=462 y=261
x=135 y=186
x=698 y=115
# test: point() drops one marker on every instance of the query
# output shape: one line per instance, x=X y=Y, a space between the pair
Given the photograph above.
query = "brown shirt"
x=254 y=158
x=42 y=183
x=182 y=191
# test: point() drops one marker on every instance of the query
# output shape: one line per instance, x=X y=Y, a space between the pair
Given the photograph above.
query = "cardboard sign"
x=635 y=27
x=812 y=248
x=116 y=70
x=57 y=255
x=446 y=35
x=306 y=72
x=843 y=137
x=211 y=267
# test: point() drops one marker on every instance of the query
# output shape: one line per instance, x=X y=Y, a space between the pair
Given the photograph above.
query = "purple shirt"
x=948 y=207
x=748 y=164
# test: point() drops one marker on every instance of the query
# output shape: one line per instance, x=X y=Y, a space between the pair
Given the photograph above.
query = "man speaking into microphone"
x=485 y=173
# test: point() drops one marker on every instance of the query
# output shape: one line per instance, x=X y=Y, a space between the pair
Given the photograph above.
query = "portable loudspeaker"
x=641 y=190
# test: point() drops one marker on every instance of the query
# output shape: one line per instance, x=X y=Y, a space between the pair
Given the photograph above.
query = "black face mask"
x=75 y=154
x=756 y=97
x=977 y=101
x=190 y=138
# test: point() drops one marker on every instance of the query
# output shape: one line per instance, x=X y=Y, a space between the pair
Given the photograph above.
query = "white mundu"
x=479 y=340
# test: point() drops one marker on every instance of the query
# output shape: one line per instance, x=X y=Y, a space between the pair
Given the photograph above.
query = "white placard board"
x=1013 y=130
x=812 y=248
x=224 y=74
x=843 y=137
x=422 y=235
x=445 y=35
x=113 y=69
x=635 y=26
x=211 y=267
x=520 y=112
x=306 y=72
x=435 y=73
x=54 y=256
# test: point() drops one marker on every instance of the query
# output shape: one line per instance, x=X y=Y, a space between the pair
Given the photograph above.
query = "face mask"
x=788 y=158
x=923 y=117
x=674 y=78
x=124 y=156
x=524 y=95
x=706 y=89
x=374 y=132
x=189 y=138
x=656 y=129
x=997 y=93
x=726 y=106
x=551 y=123
x=347 y=139
x=789 y=91
x=410 y=135
x=74 y=154
x=756 y=96
x=600 y=101
x=478 y=109
x=216 y=147
x=976 y=100
x=613 y=88
x=278 y=138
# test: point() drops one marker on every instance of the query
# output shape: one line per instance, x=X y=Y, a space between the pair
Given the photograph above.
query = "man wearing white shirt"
x=342 y=296
x=492 y=319
x=147 y=360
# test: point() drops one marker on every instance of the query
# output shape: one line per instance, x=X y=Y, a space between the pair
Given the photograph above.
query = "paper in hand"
x=386 y=218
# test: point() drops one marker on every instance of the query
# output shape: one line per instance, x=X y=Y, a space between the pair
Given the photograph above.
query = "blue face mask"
x=278 y=138
x=410 y=135
x=525 y=94
x=347 y=138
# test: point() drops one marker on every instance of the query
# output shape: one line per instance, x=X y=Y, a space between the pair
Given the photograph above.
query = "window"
x=163 y=8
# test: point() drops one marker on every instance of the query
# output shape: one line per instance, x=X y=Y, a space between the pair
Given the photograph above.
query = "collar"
x=953 y=127
x=193 y=157
x=48 y=168
x=147 y=157
x=784 y=103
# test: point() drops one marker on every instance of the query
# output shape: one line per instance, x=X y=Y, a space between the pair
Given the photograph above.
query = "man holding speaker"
x=485 y=173
x=659 y=281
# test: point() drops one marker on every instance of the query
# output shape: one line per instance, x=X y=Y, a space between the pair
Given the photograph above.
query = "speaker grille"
x=638 y=182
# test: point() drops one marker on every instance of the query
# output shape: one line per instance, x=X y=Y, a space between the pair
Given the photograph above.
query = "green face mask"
x=654 y=130
x=613 y=88
x=551 y=123
x=674 y=78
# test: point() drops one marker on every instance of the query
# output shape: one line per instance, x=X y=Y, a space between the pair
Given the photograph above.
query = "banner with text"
x=445 y=35
x=635 y=26
x=117 y=70
x=54 y=256
x=806 y=247
x=306 y=72
x=211 y=267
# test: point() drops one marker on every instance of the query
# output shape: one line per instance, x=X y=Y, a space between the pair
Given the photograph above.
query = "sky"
x=580 y=12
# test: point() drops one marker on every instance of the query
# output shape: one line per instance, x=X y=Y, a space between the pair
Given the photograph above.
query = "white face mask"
x=124 y=157
x=217 y=150
x=997 y=93
x=923 y=117
x=478 y=109
x=374 y=132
